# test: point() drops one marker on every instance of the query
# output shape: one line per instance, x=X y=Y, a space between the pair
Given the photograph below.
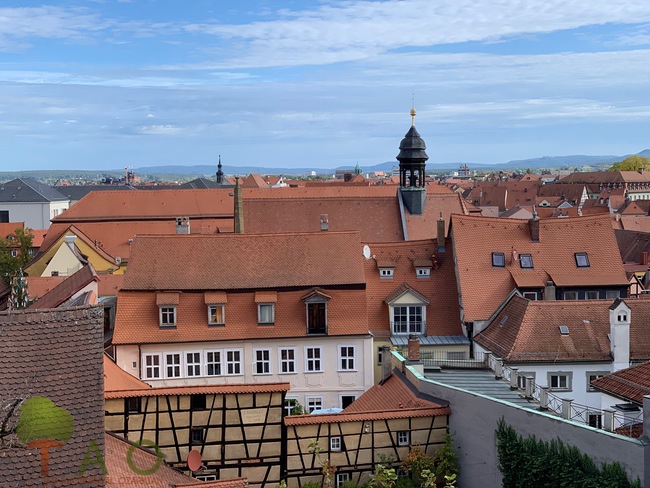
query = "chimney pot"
x=414 y=347
x=533 y=225
x=440 y=233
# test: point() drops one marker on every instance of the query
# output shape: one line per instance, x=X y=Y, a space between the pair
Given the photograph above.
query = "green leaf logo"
x=40 y=418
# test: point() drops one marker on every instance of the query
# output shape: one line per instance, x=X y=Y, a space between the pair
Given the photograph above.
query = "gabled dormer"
x=167 y=304
x=423 y=268
x=386 y=269
x=407 y=310
x=316 y=308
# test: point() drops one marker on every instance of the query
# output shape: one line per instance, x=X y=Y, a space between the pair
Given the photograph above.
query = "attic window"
x=564 y=330
x=498 y=260
x=622 y=317
x=582 y=260
x=526 y=261
x=386 y=273
x=423 y=272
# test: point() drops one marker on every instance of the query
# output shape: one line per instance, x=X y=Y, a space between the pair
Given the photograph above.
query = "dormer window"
x=266 y=307
x=582 y=260
x=423 y=272
x=526 y=261
x=167 y=316
x=167 y=303
x=386 y=273
x=316 y=301
x=498 y=260
x=216 y=315
x=622 y=317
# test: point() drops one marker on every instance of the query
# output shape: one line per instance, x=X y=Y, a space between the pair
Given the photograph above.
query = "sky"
x=104 y=84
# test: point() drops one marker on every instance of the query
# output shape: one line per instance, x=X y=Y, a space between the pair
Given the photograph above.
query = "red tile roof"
x=7 y=228
x=117 y=380
x=66 y=289
x=630 y=384
x=254 y=180
x=37 y=286
x=263 y=261
x=137 y=317
x=102 y=206
x=528 y=331
x=425 y=226
x=483 y=287
x=200 y=390
x=391 y=399
x=443 y=316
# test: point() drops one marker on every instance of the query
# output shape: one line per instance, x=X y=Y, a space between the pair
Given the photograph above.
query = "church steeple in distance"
x=412 y=164
x=219 y=171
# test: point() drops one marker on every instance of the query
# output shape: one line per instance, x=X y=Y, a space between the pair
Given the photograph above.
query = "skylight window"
x=526 y=261
x=582 y=260
x=564 y=330
x=498 y=260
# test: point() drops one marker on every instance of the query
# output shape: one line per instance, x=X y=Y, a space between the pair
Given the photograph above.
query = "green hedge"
x=527 y=462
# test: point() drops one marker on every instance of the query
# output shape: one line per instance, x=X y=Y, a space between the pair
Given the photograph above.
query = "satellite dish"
x=194 y=460
x=366 y=251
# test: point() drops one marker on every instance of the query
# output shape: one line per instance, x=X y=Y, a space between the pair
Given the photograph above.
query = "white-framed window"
x=403 y=438
x=347 y=358
x=612 y=294
x=193 y=363
x=287 y=360
x=233 y=362
x=213 y=363
x=386 y=273
x=346 y=400
x=265 y=313
x=216 y=314
x=313 y=360
x=342 y=478
x=591 y=295
x=560 y=381
x=173 y=365
x=408 y=319
x=14 y=253
x=314 y=403
x=292 y=406
x=570 y=295
x=262 y=361
x=594 y=375
x=423 y=272
x=335 y=443
x=531 y=295
x=167 y=316
x=152 y=364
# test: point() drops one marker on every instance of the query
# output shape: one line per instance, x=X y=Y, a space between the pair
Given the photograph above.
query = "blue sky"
x=102 y=84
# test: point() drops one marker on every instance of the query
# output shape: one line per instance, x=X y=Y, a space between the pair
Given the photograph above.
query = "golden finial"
x=412 y=116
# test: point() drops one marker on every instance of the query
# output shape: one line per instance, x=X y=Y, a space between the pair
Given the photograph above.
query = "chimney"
x=549 y=291
x=533 y=225
x=619 y=334
x=182 y=225
x=324 y=222
x=69 y=240
x=414 y=347
x=347 y=177
x=239 y=208
x=644 y=258
x=386 y=363
x=441 y=234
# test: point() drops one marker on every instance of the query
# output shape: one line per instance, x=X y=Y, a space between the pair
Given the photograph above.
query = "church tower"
x=412 y=164
x=219 y=172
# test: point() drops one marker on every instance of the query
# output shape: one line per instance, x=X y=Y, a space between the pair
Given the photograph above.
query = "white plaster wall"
x=329 y=384
x=64 y=261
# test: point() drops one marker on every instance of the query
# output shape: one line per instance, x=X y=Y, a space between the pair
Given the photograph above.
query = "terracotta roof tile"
x=215 y=297
x=199 y=390
x=372 y=211
x=254 y=180
x=443 y=316
x=630 y=384
x=263 y=261
x=528 y=331
x=66 y=289
x=388 y=400
x=137 y=317
x=58 y=355
x=99 y=206
x=425 y=226
x=118 y=380
x=163 y=298
x=266 y=296
x=483 y=287
x=37 y=286
x=109 y=284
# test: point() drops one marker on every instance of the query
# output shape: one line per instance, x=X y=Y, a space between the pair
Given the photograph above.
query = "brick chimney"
x=549 y=291
x=644 y=258
x=414 y=347
x=239 y=208
x=533 y=225
x=441 y=234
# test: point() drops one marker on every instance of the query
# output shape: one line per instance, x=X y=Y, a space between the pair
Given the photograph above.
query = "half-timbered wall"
x=237 y=434
x=362 y=443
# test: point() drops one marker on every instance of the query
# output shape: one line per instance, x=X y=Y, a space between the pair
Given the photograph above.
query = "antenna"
x=366 y=251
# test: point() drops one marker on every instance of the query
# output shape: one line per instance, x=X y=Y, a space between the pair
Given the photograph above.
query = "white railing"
x=624 y=423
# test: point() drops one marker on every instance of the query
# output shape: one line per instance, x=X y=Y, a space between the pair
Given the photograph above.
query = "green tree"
x=631 y=163
x=11 y=265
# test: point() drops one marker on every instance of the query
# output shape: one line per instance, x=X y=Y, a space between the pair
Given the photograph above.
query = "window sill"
x=263 y=374
x=347 y=370
x=287 y=374
x=266 y=323
x=312 y=372
x=167 y=326
x=216 y=325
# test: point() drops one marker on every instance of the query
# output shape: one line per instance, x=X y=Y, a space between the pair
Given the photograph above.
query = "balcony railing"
x=451 y=359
